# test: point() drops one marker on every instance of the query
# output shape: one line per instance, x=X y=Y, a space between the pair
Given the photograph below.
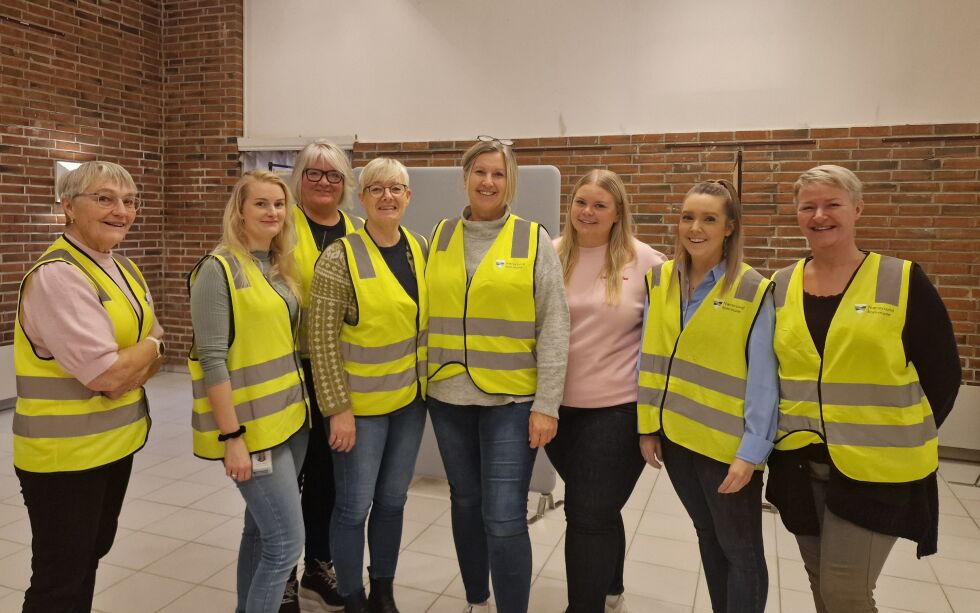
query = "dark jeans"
x=374 y=477
x=597 y=454
x=729 y=528
x=488 y=463
x=74 y=516
x=316 y=481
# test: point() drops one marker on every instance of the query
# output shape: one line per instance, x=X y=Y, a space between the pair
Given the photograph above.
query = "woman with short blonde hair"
x=863 y=340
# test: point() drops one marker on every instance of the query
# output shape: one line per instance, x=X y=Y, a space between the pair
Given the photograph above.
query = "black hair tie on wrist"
x=224 y=437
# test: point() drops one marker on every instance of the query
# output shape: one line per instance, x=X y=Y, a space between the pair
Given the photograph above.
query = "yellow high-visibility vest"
x=385 y=352
x=266 y=381
x=693 y=378
x=484 y=326
x=59 y=424
x=307 y=252
x=862 y=398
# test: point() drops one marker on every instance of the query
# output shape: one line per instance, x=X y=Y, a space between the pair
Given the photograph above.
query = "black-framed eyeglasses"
x=378 y=191
x=483 y=138
x=108 y=200
x=314 y=175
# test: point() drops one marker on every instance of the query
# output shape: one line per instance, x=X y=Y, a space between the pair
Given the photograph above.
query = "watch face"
x=162 y=349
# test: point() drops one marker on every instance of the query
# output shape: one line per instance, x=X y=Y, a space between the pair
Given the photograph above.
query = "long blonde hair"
x=620 y=250
x=732 y=249
x=283 y=244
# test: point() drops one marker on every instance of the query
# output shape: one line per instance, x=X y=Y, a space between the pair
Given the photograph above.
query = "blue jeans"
x=729 y=528
x=374 y=476
x=488 y=463
x=272 y=540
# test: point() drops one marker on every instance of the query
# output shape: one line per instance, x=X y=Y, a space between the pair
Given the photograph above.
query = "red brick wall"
x=921 y=194
x=82 y=84
x=158 y=87
x=203 y=100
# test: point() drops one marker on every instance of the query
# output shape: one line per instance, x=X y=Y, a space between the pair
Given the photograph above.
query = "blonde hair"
x=510 y=164
x=283 y=244
x=732 y=250
x=323 y=150
x=620 y=250
x=383 y=169
x=830 y=174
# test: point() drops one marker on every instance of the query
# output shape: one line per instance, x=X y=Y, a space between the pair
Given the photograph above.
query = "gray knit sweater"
x=551 y=324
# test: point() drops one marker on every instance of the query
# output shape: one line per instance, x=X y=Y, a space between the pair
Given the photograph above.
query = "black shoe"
x=319 y=584
x=356 y=603
x=382 y=598
x=290 y=599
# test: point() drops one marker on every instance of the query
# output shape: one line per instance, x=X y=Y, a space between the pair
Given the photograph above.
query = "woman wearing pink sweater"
x=596 y=451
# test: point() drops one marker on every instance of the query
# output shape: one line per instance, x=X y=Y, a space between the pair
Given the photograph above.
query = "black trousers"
x=597 y=454
x=74 y=516
x=316 y=482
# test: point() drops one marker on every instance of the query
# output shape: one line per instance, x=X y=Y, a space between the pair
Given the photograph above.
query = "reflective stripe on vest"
x=59 y=424
x=484 y=326
x=860 y=397
x=307 y=252
x=384 y=354
x=693 y=377
x=266 y=385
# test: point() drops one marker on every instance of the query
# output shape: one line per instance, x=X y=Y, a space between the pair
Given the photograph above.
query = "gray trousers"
x=844 y=562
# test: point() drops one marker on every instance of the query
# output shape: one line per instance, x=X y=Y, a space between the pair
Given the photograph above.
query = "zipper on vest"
x=295 y=353
x=670 y=366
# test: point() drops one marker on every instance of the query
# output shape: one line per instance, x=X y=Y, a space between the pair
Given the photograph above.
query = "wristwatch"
x=161 y=348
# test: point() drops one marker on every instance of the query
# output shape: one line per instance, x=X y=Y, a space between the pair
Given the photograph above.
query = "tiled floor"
x=179 y=529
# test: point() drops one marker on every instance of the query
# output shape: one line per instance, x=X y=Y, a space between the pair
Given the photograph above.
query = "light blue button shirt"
x=762 y=382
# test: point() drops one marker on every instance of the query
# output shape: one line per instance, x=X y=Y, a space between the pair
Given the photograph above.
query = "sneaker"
x=615 y=603
x=477 y=608
x=290 y=600
x=319 y=585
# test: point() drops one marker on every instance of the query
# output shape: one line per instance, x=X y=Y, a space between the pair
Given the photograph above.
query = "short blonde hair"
x=383 y=169
x=830 y=174
x=79 y=180
x=510 y=164
x=233 y=228
x=323 y=150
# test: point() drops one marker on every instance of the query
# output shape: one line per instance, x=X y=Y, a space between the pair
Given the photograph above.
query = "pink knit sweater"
x=605 y=339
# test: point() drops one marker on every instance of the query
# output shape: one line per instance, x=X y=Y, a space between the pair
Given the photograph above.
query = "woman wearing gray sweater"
x=498 y=341
x=250 y=408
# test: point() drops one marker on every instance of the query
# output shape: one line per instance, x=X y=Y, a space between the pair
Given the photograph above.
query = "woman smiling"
x=369 y=316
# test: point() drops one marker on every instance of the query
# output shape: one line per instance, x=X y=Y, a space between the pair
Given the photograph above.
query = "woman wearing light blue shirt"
x=709 y=393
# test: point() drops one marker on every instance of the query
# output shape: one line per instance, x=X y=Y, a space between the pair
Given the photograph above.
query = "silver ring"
x=234 y=476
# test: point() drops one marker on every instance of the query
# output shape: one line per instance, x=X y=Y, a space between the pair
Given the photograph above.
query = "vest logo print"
x=860 y=308
x=731 y=307
x=500 y=263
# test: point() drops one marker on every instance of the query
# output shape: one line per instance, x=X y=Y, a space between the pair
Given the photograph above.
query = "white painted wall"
x=407 y=70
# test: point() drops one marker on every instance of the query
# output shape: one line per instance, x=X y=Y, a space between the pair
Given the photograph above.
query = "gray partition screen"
x=438 y=193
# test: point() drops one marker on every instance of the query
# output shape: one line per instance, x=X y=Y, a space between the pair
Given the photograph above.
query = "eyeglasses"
x=378 y=191
x=314 y=175
x=107 y=200
x=483 y=138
